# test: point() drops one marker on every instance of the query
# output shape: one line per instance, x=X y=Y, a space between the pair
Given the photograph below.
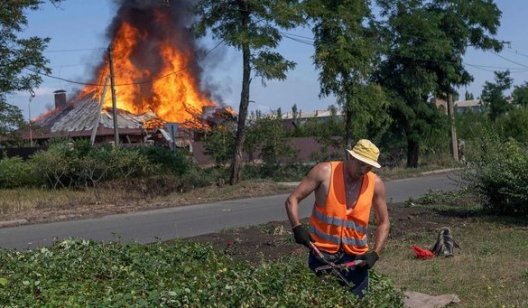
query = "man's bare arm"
x=382 y=215
x=308 y=185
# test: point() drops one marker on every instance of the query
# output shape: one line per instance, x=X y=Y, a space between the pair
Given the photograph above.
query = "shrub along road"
x=187 y=221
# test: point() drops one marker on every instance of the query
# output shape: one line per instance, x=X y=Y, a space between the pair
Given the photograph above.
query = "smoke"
x=158 y=20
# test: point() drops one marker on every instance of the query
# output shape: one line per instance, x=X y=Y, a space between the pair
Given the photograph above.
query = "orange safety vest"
x=332 y=226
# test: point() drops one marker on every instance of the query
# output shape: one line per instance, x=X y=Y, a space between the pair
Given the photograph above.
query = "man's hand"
x=370 y=258
x=302 y=236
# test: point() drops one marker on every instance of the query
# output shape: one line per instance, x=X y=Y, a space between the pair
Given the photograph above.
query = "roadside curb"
x=439 y=171
x=13 y=223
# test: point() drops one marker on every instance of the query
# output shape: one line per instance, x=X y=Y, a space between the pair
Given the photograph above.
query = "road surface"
x=187 y=221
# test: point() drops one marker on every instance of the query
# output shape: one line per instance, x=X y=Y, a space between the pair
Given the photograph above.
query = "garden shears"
x=335 y=268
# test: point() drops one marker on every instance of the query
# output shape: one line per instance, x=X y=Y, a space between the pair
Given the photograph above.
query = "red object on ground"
x=422 y=253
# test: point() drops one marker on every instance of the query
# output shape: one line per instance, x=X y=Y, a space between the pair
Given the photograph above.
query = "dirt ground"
x=274 y=240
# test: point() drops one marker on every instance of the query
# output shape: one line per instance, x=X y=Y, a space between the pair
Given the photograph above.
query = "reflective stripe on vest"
x=332 y=220
x=330 y=226
x=337 y=240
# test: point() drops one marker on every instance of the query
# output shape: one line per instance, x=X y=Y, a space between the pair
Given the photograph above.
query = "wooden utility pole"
x=112 y=84
x=98 y=118
x=451 y=114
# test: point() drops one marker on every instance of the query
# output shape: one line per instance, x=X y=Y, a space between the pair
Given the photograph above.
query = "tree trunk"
x=236 y=164
x=454 y=140
x=348 y=115
x=348 y=128
x=413 y=149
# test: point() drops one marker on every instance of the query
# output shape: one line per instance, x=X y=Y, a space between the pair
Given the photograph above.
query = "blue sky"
x=77 y=32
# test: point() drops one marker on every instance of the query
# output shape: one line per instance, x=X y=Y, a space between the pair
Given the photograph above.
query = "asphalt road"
x=187 y=221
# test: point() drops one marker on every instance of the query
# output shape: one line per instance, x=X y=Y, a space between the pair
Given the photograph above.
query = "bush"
x=14 y=172
x=182 y=274
x=177 y=162
x=499 y=174
x=76 y=165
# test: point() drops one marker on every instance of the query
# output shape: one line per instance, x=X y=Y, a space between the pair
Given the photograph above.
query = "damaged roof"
x=83 y=114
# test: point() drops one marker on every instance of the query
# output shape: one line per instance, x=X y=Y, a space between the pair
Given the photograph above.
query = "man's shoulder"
x=323 y=169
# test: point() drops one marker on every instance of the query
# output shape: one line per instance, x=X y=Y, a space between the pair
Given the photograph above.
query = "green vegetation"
x=498 y=174
x=21 y=61
x=253 y=27
x=181 y=274
x=489 y=269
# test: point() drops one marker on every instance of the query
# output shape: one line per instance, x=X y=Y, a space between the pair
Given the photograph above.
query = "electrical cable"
x=122 y=84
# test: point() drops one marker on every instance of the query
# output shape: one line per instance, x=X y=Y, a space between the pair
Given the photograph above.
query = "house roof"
x=84 y=114
x=468 y=103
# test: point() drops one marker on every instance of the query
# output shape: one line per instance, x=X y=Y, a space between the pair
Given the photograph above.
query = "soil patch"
x=274 y=240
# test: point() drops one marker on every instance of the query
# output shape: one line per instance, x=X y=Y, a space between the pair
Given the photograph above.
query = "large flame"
x=168 y=89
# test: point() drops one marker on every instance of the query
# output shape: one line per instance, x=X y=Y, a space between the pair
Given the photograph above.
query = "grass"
x=490 y=269
x=30 y=203
x=33 y=203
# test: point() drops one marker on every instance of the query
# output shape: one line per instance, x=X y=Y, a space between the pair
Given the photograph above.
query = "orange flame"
x=171 y=92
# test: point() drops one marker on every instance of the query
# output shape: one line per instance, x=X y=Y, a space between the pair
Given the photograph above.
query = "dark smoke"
x=141 y=14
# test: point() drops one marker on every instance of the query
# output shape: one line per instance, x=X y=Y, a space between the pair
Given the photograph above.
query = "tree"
x=251 y=26
x=427 y=40
x=468 y=96
x=520 y=95
x=21 y=59
x=493 y=96
x=346 y=53
x=219 y=144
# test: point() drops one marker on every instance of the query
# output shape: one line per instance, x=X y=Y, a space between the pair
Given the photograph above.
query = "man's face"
x=355 y=167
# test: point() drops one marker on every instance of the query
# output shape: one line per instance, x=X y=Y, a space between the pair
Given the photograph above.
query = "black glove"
x=370 y=258
x=302 y=236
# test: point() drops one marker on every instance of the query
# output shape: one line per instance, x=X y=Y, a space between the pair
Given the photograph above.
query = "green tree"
x=468 y=96
x=219 y=144
x=10 y=118
x=427 y=40
x=252 y=26
x=493 y=96
x=21 y=59
x=520 y=95
x=513 y=125
x=346 y=53
x=328 y=132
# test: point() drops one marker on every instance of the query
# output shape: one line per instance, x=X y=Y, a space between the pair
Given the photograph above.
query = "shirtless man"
x=345 y=192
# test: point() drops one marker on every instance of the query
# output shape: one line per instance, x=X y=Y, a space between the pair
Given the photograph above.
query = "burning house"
x=156 y=79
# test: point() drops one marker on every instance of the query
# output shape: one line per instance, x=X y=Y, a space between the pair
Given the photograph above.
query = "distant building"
x=473 y=105
x=461 y=106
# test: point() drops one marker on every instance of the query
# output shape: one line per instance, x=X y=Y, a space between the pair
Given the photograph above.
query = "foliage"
x=181 y=274
x=346 y=52
x=14 y=172
x=495 y=101
x=498 y=174
x=426 y=43
x=176 y=162
x=11 y=118
x=219 y=144
x=513 y=125
x=329 y=133
x=252 y=26
x=21 y=59
x=520 y=95
x=77 y=164
x=472 y=125
x=268 y=137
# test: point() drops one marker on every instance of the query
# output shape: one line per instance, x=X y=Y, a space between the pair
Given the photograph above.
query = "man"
x=345 y=192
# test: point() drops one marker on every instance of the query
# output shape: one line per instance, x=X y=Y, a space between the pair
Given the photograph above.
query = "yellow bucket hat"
x=367 y=152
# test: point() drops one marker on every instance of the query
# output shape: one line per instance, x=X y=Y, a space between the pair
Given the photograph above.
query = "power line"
x=71 y=50
x=122 y=84
x=509 y=60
